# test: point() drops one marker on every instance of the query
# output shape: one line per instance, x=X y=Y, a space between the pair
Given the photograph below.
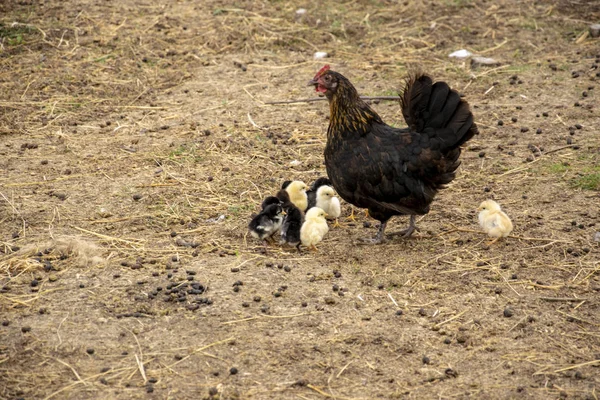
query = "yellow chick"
x=327 y=200
x=297 y=192
x=493 y=220
x=314 y=228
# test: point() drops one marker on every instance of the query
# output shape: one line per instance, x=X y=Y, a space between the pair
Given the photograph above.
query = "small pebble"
x=304 y=304
x=399 y=312
x=90 y=351
x=481 y=154
x=81 y=286
x=514 y=119
x=137 y=197
x=544 y=114
x=508 y=312
x=235 y=269
x=233 y=371
x=245 y=304
x=256 y=299
x=578 y=126
x=26 y=329
x=538 y=131
x=287 y=268
x=5 y=323
x=426 y=360
x=500 y=122
x=34 y=283
x=447 y=341
x=524 y=129
x=213 y=391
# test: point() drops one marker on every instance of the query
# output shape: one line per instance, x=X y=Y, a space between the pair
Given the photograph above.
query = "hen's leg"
x=379 y=238
x=412 y=227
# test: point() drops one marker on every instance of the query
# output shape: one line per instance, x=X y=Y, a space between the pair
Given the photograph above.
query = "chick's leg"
x=351 y=217
x=491 y=242
x=336 y=224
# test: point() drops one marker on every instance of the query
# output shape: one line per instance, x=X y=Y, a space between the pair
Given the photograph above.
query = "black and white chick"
x=292 y=223
x=267 y=222
x=312 y=192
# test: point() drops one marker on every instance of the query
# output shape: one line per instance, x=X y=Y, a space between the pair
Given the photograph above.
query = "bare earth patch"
x=135 y=143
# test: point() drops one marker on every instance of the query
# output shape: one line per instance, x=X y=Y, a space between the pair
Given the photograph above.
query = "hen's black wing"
x=395 y=171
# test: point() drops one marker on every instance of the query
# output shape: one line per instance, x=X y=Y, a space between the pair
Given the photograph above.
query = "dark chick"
x=392 y=171
x=270 y=200
x=290 y=228
x=267 y=222
x=312 y=192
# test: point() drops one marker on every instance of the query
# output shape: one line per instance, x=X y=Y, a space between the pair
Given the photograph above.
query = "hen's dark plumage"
x=312 y=192
x=388 y=170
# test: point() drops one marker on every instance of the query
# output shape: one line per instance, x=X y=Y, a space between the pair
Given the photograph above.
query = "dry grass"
x=137 y=139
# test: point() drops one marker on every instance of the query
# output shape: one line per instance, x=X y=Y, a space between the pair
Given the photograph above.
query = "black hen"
x=312 y=192
x=388 y=170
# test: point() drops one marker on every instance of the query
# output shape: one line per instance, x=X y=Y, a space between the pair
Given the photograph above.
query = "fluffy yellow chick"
x=314 y=227
x=327 y=200
x=297 y=192
x=493 y=220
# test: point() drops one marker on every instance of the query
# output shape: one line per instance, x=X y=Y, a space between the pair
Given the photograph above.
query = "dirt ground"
x=135 y=143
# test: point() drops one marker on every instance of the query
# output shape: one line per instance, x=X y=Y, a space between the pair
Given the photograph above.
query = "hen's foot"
x=379 y=238
x=412 y=227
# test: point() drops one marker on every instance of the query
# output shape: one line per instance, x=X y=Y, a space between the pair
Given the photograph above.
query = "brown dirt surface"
x=135 y=143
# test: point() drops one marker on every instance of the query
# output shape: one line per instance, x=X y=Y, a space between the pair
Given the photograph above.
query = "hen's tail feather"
x=437 y=109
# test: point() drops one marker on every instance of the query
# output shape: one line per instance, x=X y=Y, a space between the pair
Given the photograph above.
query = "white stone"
x=461 y=54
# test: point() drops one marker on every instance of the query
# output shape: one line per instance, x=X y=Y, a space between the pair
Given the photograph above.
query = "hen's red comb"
x=322 y=71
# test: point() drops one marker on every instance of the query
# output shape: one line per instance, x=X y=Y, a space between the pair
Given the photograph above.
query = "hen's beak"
x=312 y=82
